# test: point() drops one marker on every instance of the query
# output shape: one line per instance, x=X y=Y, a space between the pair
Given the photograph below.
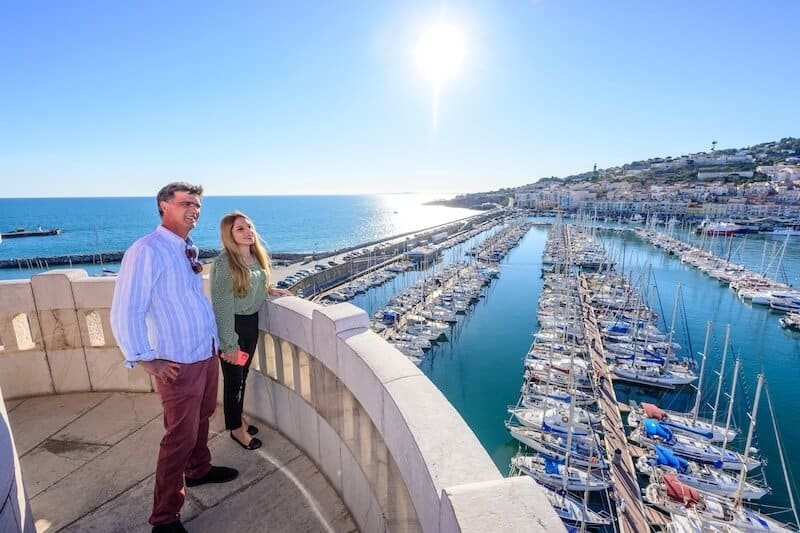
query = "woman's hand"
x=229 y=357
x=275 y=291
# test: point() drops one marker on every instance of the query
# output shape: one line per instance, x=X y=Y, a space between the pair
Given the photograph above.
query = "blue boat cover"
x=547 y=428
x=654 y=429
x=664 y=456
x=619 y=328
x=550 y=466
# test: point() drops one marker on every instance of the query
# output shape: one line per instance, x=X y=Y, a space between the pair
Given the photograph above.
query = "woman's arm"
x=222 y=302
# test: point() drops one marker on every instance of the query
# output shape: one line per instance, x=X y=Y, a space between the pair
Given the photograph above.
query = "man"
x=163 y=321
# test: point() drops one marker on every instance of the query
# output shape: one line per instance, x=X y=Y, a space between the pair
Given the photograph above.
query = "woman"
x=240 y=283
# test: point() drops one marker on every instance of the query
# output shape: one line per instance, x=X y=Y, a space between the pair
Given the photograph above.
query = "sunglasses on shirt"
x=191 y=254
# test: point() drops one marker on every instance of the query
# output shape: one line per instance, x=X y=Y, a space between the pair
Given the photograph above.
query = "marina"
x=462 y=360
x=580 y=315
x=761 y=288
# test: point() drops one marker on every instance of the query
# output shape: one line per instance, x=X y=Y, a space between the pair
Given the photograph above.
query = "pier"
x=633 y=516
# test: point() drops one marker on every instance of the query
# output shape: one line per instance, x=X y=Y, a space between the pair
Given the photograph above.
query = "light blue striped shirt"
x=159 y=310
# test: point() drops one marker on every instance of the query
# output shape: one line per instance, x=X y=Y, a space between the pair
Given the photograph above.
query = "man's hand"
x=164 y=371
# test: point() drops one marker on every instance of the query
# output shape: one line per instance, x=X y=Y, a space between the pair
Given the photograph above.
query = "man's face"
x=182 y=212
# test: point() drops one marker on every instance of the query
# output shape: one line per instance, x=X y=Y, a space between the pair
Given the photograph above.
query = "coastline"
x=108 y=259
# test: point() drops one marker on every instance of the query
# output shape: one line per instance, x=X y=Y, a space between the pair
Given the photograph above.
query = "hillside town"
x=761 y=181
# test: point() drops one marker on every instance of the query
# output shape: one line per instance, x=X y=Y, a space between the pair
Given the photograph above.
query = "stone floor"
x=88 y=462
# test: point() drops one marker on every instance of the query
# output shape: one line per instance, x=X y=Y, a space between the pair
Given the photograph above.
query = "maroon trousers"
x=188 y=403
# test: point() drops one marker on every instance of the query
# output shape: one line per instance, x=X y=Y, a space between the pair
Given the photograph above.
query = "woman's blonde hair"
x=240 y=270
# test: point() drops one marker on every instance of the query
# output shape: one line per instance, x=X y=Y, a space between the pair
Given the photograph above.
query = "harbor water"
x=480 y=368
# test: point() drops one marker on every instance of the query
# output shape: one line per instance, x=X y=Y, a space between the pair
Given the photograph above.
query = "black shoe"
x=254 y=443
x=252 y=430
x=217 y=474
x=172 y=527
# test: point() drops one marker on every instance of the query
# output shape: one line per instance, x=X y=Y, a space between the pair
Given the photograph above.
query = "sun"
x=440 y=52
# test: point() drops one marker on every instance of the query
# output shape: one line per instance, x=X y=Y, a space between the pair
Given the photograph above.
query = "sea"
x=480 y=368
x=286 y=223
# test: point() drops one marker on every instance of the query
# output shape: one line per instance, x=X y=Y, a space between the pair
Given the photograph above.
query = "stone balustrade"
x=398 y=453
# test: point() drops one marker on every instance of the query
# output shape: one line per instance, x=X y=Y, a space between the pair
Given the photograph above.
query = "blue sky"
x=116 y=98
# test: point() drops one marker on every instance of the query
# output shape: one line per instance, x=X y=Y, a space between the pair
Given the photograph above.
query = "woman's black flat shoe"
x=252 y=430
x=254 y=443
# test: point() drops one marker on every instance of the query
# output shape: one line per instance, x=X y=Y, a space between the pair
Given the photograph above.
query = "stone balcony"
x=383 y=449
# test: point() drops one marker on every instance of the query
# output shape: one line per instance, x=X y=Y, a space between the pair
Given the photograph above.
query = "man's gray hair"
x=168 y=191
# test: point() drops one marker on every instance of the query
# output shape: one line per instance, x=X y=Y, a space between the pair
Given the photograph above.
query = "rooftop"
x=88 y=460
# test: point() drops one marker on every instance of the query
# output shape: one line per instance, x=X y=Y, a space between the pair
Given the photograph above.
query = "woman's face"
x=243 y=232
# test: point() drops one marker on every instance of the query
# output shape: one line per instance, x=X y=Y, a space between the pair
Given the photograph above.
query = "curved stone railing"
x=15 y=513
x=395 y=449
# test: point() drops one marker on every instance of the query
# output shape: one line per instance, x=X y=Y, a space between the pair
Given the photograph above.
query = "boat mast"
x=743 y=472
x=568 y=450
x=763 y=258
x=674 y=318
x=721 y=373
x=789 y=488
x=697 y=400
x=730 y=406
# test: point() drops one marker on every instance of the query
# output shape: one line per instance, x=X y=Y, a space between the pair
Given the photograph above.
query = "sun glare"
x=440 y=52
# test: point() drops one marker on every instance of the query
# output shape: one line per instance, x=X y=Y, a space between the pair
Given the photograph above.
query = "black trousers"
x=234 y=377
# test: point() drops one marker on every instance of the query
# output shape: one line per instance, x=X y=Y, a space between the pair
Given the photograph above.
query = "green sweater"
x=226 y=304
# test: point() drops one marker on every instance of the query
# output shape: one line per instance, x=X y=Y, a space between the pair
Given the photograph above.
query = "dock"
x=429 y=298
x=633 y=516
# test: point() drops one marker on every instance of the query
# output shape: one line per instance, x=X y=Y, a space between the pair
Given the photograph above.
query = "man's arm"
x=132 y=299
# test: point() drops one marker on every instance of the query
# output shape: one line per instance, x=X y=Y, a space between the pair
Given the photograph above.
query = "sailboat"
x=652 y=433
x=679 y=422
x=550 y=472
x=672 y=496
x=697 y=476
x=689 y=423
x=571 y=509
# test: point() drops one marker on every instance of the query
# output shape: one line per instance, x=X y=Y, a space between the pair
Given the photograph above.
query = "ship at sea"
x=22 y=232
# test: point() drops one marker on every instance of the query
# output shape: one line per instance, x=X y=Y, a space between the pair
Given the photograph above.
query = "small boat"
x=551 y=420
x=678 y=422
x=672 y=496
x=783 y=231
x=791 y=321
x=652 y=433
x=719 y=228
x=535 y=391
x=585 y=452
x=571 y=509
x=550 y=472
x=653 y=375
x=22 y=232
x=700 y=477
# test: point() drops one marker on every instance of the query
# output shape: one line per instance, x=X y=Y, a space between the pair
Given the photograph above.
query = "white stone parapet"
x=395 y=449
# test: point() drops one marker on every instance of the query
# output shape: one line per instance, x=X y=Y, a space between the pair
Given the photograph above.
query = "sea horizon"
x=289 y=224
